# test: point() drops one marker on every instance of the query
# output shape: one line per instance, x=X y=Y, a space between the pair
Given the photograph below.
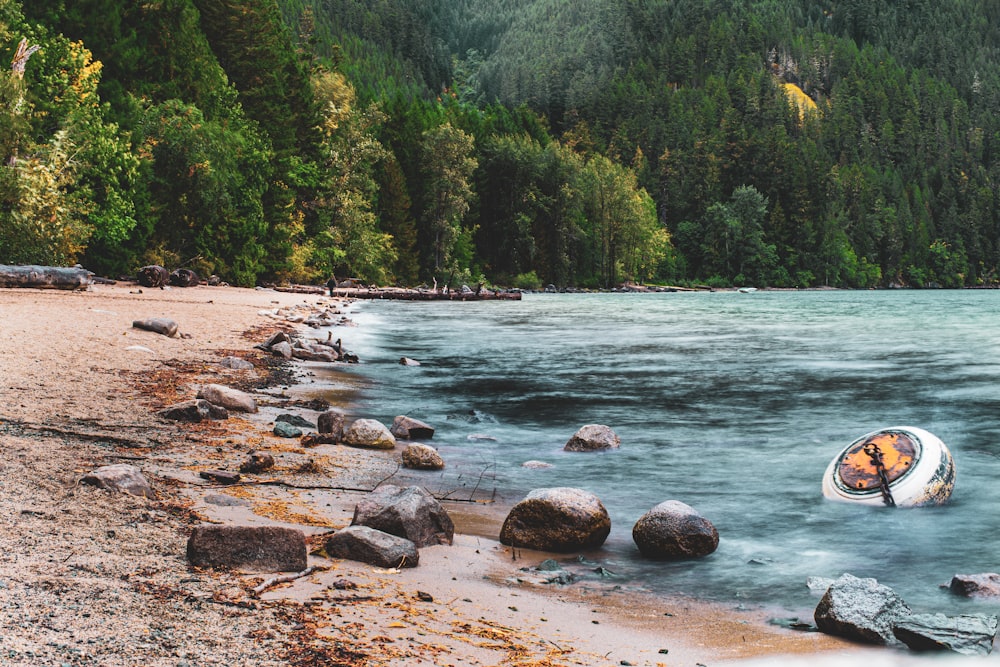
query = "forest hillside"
x=517 y=142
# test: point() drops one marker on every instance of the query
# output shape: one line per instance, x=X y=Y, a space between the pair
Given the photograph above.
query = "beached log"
x=45 y=277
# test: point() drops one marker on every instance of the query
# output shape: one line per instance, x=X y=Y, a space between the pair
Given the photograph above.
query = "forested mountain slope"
x=766 y=142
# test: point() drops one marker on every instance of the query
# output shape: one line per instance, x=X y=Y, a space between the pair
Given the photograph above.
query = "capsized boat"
x=902 y=466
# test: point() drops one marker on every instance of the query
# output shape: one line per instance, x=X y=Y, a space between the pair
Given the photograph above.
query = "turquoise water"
x=732 y=403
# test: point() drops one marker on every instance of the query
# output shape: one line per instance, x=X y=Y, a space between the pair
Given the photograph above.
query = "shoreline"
x=81 y=394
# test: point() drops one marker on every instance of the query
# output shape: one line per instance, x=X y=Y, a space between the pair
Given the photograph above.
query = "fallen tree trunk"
x=46 y=277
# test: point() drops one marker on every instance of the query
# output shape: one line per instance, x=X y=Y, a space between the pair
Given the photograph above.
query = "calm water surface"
x=732 y=403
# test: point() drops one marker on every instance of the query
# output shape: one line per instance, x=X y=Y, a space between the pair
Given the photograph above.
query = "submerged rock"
x=593 y=437
x=967 y=634
x=986 y=584
x=557 y=519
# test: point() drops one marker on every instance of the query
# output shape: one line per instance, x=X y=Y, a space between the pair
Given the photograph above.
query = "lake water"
x=732 y=403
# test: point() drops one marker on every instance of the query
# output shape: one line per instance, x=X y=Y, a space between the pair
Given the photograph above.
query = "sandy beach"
x=89 y=577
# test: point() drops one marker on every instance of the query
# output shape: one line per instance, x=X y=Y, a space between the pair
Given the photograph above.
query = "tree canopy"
x=765 y=142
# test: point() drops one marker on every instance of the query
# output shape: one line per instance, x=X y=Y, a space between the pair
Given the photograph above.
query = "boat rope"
x=872 y=450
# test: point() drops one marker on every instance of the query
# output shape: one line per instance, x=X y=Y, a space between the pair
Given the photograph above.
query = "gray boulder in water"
x=860 y=609
x=408 y=428
x=986 y=584
x=673 y=529
x=593 y=437
x=971 y=634
x=559 y=519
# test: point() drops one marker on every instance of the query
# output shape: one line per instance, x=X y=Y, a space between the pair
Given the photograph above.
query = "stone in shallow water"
x=971 y=634
x=673 y=529
x=557 y=519
x=593 y=437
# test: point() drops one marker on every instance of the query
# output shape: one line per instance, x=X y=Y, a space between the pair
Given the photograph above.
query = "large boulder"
x=422 y=457
x=411 y=513
x=593 y=437
x=674 y=530
x=971 y=634
x=250 y=548
x=986 y=584
x=371 y=546
x=408 y=428
x=860 y=609
x=369 y=433
x=120 y=477
x=557 y=519
x=229 y=398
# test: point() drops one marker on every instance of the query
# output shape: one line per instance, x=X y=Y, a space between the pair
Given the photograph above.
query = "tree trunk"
x=47 y=277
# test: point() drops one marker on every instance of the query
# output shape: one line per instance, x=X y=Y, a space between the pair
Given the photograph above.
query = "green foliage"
x=449 y=164
x=206 y=181
x=67 y=172
x=766 y=142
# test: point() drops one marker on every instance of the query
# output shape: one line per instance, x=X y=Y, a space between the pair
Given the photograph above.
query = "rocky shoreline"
x=89 y=576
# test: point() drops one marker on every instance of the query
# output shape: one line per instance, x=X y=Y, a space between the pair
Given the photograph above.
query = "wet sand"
x=80 y=389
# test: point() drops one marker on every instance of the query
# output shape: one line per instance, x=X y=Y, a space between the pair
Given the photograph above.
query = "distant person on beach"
x=331 y=284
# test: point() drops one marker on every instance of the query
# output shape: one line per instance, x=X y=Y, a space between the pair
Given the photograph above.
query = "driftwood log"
x=45 y=277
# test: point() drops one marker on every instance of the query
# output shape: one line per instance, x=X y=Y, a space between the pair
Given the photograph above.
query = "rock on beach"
x=229 y=398
x=422 y=457
x=559 y=519
x=249 y=548
x=860 y=609
x=369 y=433
x=120 y=477
x=367 y=545
x=409 y=512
